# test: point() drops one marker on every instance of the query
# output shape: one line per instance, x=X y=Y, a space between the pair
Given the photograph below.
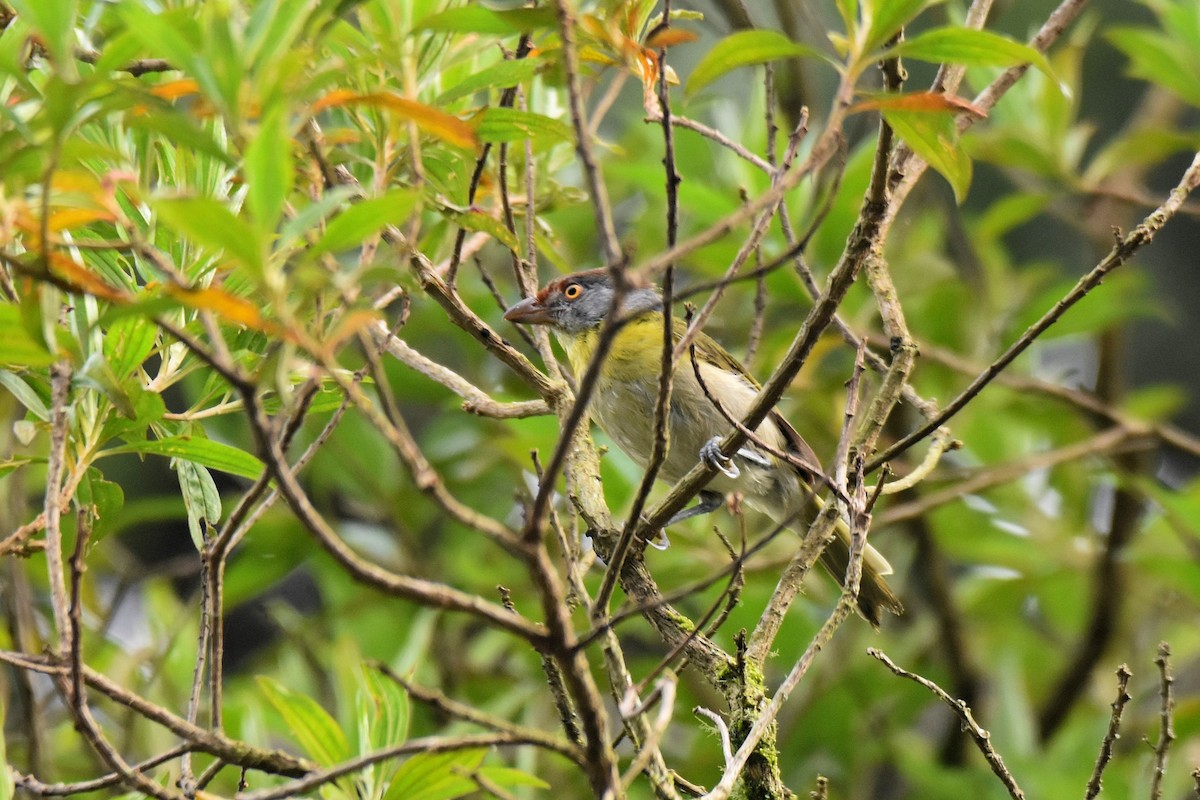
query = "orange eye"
x=573 y=291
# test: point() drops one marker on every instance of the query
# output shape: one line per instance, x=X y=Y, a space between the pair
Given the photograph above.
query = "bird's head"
x=577 y=303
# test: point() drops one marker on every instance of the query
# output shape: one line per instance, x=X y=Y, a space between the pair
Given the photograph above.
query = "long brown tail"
x=874 y=594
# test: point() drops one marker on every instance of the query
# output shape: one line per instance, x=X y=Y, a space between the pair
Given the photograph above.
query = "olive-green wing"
x=710 y=351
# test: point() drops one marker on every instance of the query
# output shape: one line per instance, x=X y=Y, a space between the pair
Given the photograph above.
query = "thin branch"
x=715 y=135
x=1170 y=435
x=419 y=590
x=428 y=744
x=1166 y=731
x=1112 y=734
x=1111 y=441
x=983 y=739
x=34 y=786
x=60 y=387
x=1121 y=252
x=230 y=750
x=468 y=713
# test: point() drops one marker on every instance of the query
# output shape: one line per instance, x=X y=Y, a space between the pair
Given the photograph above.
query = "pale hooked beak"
x=529 y=311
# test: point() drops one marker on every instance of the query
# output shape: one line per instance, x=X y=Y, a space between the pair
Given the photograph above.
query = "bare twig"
x=36 y=787
x=1112 y=734
x=234 y=752
x=1166 y=730
x=473 y=715
x=983 y=739
x=60 y=386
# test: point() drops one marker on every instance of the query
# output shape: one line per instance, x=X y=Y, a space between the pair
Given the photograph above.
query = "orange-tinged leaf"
x=82 y=279
x=225 y=305
x=74 y=217
x=670 y=37
x=173 y=90
x=429 y=119
x=75 y=180
x=926 y=102
x=446 y=127
x=594 y=56
x=350 y=324
x=338 y=97
x=337 y=136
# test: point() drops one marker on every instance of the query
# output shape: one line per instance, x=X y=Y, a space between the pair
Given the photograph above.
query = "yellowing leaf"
x=350 y=324
x=83 y=280
x=446 y=127
x=173 y=90
x=225 y=305
x=922 y=102
x=670 y=37
x=74 y=217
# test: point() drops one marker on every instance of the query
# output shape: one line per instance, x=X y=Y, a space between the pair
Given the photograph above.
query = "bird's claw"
x=711 y=455
x=660 y=542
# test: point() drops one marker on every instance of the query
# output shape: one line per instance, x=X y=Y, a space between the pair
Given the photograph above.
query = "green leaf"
x=513 y=125
x=102 y=499
x=435 y=776
x=1161 y=59
x=149 y=409
x=848 y=9
x=887 y=17
x=202 y=451
x=1156 y=403
x=17 y=347
x=211 y=224
x=388 y=708
x=307 y=216
x=128 y=343
x=24 y=393
x=970 y=47
x=10 y=465
x=307 y=722
x=1137 y=148
x=179 y=129
x=509 y=777
x=200 y=498
x=742 y=49
x=476 y=19
x=97 y=374
x=482 y=223
x=501 y=75
x=363 y=219
x=934 y=137
x=268 y=169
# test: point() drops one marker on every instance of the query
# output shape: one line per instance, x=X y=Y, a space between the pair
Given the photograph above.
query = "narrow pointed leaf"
x=212 y=454
x=740 y=50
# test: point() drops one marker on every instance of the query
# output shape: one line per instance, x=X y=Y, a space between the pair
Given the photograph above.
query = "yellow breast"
x=636 y=350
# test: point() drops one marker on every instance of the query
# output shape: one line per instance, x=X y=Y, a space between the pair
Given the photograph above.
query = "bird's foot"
x=660 y=542
x=711 y=455
x=706 y=503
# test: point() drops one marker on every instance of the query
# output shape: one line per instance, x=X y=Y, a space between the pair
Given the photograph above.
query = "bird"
x=622 y=403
